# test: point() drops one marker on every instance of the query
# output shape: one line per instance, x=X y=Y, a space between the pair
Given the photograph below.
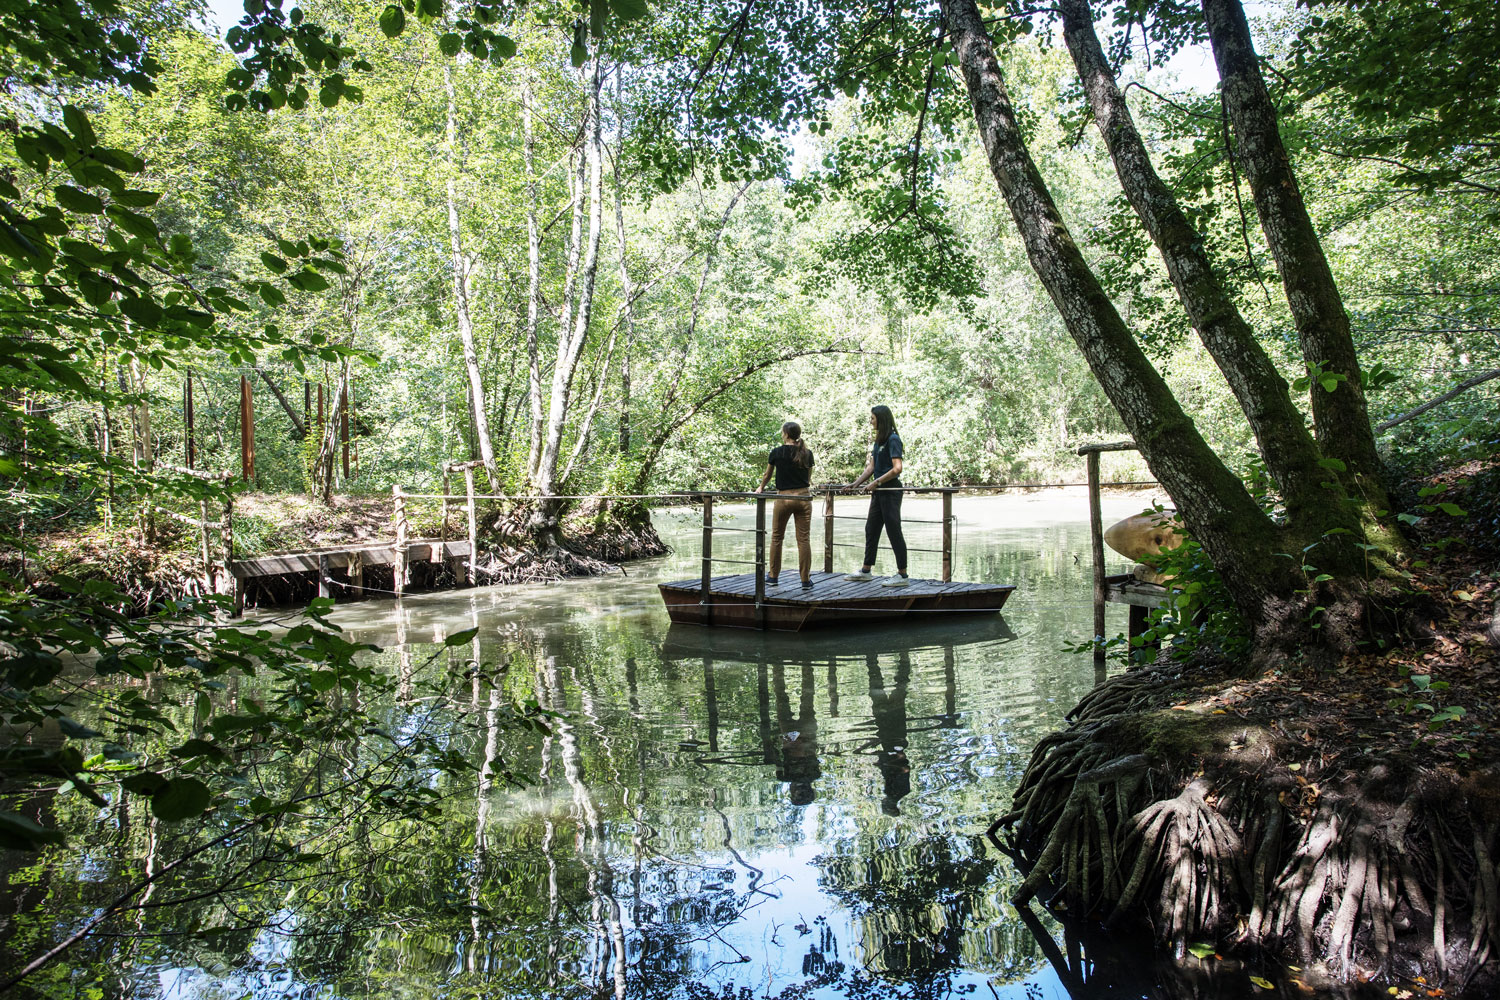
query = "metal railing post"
x=947 y=536
x=828 y=532
x=705 y=597
x=760 y=561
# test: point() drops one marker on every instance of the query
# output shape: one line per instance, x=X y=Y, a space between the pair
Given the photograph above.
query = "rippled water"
x=713 y=813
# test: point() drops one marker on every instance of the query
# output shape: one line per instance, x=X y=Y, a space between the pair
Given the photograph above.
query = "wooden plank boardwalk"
x=322 y=560
x=832 y=600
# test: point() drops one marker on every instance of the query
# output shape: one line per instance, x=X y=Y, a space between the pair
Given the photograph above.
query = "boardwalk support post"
x=705 y=597
x=357 y=573
x=473 y=533
x=760 y=562
x=828 y=532
x=398 y=571
x=1096 y=542
x=947 y=536
x=323 y=576
x=447 y=489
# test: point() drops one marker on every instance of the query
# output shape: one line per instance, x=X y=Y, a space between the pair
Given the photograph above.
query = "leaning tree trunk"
x=1290 y=453
x=1341 y=417
x=1237 y=535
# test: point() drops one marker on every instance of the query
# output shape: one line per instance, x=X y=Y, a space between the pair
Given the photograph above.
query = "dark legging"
x=885 y=512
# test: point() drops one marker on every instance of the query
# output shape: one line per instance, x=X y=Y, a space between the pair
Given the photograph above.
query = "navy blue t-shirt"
x=790 y=475
x=883 y=452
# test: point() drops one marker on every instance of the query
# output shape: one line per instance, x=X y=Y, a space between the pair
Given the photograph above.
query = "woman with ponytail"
x=792 y=464
x=883 y=472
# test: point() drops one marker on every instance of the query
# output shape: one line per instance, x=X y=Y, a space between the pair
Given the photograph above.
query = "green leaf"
x=449 y=43
x=430 y=8
x=74 y=200
x=200 y=748
x=578 y=54
x=1329 y=382
x=629 y=10
x=459 y=638
x=144 y=311
x=273 y=263
x=137 y=198
x=1201 y=949
x=392 y=21
x=133 y=222
x=146 y=783
x=78 y=124
x=1452 y=509
x=180 y=798
x=1264 y=984
x=20 y=833
x=308 y=280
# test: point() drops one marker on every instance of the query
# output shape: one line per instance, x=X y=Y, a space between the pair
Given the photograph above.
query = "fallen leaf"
x=1294 y=767
x=1264 y=984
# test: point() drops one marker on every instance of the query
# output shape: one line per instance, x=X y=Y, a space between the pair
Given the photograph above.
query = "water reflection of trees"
x=631 y=863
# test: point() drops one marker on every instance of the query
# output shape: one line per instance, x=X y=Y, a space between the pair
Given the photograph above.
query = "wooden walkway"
x=832 y=600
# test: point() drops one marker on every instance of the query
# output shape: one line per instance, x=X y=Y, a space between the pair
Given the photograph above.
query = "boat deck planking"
x=832 y=600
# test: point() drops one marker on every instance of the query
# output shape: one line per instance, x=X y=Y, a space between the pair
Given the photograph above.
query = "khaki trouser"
x=801 y=512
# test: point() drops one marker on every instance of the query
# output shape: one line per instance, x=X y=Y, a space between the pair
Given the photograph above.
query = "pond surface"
x=714 y=813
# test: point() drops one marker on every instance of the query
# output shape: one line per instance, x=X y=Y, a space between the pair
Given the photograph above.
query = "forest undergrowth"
x=1342 y=819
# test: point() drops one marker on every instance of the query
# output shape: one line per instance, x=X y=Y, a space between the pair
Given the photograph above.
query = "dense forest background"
x=725 y=305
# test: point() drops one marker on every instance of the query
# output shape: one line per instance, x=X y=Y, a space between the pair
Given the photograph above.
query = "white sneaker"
x=896 y=581
x=861 y=576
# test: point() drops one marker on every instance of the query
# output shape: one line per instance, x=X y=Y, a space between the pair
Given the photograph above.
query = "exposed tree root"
x=1382 y=870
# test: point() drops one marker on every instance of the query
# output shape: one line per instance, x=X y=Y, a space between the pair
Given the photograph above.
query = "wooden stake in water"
x=473 y=532
x=399 y=515
x=705 y=596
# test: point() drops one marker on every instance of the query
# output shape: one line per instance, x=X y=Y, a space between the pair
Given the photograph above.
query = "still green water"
x=714 y=813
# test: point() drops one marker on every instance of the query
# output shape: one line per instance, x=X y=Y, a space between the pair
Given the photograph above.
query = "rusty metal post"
x=760 y=561
x=399 y=516
x=1096 y=542
x=947 y=536
x=247 y=431
x=828 y=532
x=473 y=532
x=189 y=448
x=705 y=594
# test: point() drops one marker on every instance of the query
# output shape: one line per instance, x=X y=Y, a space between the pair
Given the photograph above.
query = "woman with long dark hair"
x=792 y=463
x=883 y=471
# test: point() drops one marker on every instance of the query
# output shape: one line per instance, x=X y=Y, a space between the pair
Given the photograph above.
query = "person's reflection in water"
x=798 y=765
x=888 y=707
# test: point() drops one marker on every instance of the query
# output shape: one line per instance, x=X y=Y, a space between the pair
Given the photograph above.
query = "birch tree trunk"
x=627 y=312
x=478 y=414
x=1235 y=532
x=1341 y=417
x=533 y=287
x=573 y=326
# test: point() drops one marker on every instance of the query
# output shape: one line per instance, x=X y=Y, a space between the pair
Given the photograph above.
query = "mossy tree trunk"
x=1272 y=591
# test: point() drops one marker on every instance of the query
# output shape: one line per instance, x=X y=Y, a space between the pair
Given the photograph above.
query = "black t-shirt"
x=790 y=475
x=882 y=452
